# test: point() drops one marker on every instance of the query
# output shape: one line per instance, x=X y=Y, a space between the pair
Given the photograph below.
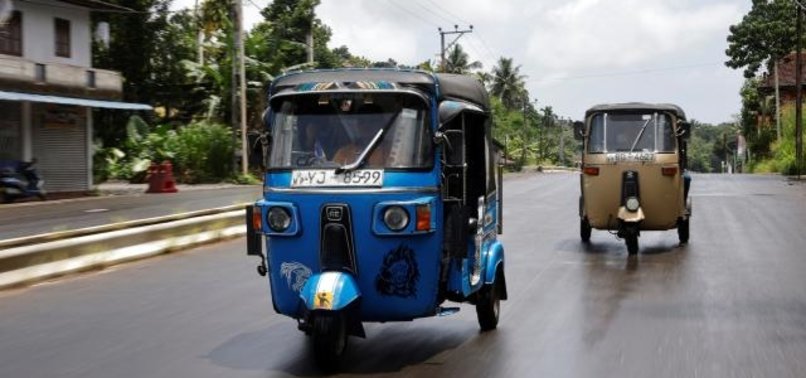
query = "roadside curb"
x=98 y=247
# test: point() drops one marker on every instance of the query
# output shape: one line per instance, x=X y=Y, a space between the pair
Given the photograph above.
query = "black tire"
x=329 y=340
x=42 y=197
x=4 y=198
x=683 y=231
x=488 y=306
x=584 y=230
x=632 y=243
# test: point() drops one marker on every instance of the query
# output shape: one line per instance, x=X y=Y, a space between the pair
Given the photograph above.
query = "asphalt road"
x=730 y=304
x=32 y=218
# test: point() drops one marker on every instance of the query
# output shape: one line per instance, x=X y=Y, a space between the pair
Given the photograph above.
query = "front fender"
x=495 y=258
x=331 y=291
x=630 y=217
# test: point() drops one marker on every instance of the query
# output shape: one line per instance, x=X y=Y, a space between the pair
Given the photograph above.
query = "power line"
x=414 y=15
x=626 y=73
x=448 y=12
x=430 y=11
x=259 y=9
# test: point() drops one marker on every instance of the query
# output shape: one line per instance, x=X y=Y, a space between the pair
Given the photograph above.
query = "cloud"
x=575 y=52
x=595 y=34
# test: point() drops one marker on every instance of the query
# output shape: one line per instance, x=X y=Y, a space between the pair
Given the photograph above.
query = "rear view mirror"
x=579 y=130
x=683 y=129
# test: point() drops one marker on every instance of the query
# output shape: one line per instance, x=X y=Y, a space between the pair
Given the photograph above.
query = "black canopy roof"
x=463 y=87
x=637 y=106
x=451 y=86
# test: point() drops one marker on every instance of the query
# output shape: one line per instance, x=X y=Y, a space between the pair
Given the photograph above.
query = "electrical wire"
x=414 y=15
x=626 y=73
x=429 y=11
x=447 y=12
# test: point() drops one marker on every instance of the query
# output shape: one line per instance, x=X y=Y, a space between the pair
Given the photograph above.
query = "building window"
x=91 y=79
x=11 y=35
x=62 y=38
x=40 y=74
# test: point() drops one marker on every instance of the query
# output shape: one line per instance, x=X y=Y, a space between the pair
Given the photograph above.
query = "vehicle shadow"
x=388 y=348
x=611 y=277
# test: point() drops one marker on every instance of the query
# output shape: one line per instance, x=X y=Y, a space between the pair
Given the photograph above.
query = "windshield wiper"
x=362 y=158
x=640 y=133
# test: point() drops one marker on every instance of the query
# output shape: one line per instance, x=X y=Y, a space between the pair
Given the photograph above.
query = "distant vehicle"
x=634 y=171
x=22 y=182
x=382 y=200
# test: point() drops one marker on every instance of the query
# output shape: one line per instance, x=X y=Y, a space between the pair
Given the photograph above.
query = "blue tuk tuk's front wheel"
x=488 y=305
x=329 y=334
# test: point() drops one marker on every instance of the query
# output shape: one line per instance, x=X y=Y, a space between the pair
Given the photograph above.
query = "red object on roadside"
x=161 y=178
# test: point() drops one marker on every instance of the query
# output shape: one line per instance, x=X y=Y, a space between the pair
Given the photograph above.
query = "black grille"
x=629 y=188
x=337 y=251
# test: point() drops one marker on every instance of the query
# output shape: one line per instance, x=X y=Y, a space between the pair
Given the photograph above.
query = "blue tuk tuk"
x=382 y=199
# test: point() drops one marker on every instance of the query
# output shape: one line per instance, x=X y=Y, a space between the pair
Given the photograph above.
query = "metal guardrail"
x=29 y=259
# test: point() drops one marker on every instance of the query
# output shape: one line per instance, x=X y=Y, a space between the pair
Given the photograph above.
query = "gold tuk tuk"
x=633 y=172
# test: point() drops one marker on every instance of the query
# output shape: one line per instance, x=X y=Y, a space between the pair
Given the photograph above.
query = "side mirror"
x=683 y=129
x=579 y=130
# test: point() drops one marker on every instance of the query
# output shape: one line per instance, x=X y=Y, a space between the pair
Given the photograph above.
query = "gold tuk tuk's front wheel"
x=632 y=244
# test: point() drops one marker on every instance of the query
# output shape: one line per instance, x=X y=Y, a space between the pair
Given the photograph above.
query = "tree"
x=765 y=34
x=458 y=61
x=508 y=83
x=133 y=46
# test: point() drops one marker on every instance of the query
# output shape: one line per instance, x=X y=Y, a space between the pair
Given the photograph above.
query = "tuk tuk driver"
x=365 y=132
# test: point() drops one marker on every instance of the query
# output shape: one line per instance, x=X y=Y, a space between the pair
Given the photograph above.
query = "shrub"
x=203 y=152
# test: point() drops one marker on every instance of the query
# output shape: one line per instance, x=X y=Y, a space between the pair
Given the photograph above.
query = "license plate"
x=321 y=178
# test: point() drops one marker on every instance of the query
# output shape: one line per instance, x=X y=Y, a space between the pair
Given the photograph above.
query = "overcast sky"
x=576 y=53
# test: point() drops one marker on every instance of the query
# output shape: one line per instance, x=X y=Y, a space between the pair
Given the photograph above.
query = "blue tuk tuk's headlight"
x=632 y=204
x=278 y=219
x=396 y=218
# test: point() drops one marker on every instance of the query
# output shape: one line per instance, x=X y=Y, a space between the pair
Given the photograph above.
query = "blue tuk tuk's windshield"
x=315 y=131
x=631 y=132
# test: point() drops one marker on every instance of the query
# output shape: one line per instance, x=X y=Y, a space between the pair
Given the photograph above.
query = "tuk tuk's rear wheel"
x=329 y=334
x=683 y=230
x=488 y=306
x=584 y=230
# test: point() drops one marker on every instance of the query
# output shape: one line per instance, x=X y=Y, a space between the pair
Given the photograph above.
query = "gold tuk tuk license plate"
x=630 y=157
x=329 y=178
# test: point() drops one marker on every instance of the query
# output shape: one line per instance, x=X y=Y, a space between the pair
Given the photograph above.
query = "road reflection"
x=613 y=278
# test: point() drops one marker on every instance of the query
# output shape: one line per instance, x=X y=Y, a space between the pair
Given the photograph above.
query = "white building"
x=48 y=88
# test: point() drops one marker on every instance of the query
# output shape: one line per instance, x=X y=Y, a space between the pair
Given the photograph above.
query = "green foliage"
x=508 y=84
x=203 y=152
x=247 y=179
x=457 y=61
x=783 y=152
x=765 y=34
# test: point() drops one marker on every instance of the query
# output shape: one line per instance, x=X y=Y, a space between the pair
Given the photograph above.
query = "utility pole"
x=443 y=48
x=562 y=144
x=777 y=101
x=199 y=34
x=239 y=85
x=309 y=39
x=799 y=96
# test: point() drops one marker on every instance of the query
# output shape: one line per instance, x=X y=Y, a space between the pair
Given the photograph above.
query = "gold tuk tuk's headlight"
x=632 y=204
x=396 y=218
x=279 y=219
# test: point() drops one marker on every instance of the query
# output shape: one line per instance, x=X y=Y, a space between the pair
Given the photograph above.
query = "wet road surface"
x=34 y=218
x=730 y=304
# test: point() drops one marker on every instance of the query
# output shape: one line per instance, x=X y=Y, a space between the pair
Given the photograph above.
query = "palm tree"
x=485 y=78
x=508 y=83
x=458 y=61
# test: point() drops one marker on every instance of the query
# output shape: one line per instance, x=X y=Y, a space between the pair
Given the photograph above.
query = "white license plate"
x=317 y=178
